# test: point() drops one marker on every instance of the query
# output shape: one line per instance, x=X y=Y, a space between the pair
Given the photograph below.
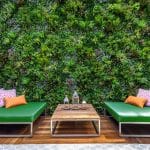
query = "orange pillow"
x=137 y=101
x=14 y=101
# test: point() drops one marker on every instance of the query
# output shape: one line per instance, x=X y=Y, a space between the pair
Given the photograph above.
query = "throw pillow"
x=1 y=100
x=6 y=93
x=14 y=101
x=137 y=101
x=144 y=94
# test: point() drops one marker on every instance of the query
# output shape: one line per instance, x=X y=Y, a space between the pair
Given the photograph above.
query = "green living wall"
x=48 y=48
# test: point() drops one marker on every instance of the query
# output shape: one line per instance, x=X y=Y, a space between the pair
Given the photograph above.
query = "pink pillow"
x=6 y=93
x=1 y=100
x=144 y=94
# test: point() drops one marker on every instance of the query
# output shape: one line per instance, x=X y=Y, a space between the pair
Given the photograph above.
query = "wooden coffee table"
x=75 y=113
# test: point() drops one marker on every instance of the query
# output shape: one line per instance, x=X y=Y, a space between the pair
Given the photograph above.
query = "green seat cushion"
x=22 y=113
x=123 y=112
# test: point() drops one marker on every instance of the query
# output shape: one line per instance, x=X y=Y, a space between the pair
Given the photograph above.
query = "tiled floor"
x=76 y=147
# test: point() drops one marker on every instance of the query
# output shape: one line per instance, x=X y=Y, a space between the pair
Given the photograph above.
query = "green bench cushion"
x=123 y=112
x=22 y=113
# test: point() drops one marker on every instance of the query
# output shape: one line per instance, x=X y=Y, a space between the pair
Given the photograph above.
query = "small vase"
x=75 y=98
x=66 y=100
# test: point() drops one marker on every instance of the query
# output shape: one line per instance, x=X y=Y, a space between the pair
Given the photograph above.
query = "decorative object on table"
x=75 y=107
x=66 y=107
x=83 y=105
x=66 y=100
x=83 y=102
x=75 y=98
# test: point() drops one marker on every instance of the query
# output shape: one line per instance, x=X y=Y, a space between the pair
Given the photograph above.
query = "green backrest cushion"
x=22 y=113
x=123 y=112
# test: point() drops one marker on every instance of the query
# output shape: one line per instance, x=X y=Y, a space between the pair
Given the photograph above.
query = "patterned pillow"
x=144 y=94
x=6 y=93
x=1 y=100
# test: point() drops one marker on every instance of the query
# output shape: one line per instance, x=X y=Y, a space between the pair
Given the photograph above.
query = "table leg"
x=97 y=129
x=53 y=128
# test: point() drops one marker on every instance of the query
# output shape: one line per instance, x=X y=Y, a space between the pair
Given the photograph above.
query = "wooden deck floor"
x=109 y=134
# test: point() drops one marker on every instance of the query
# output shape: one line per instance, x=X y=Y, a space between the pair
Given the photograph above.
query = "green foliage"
x=102 y=45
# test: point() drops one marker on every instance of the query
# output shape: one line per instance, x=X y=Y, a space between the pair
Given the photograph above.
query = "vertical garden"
x=99 y=47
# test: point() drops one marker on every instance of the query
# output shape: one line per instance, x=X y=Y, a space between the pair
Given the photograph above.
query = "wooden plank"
x=75 y=111
x=109 y=134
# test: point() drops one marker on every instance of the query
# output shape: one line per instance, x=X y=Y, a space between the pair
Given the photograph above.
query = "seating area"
x=123 y=113
x=134 y=110
x=128 y=114
x=74 y=72
x=109 y=134
x=23 y=114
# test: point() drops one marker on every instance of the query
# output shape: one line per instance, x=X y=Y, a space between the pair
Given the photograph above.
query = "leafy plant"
x=100 y=46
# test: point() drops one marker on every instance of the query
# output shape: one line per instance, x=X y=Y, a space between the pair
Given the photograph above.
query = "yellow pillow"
x=137 y=101
x=14 y=101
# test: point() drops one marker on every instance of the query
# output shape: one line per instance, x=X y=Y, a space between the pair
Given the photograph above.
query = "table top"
x=75 y=112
